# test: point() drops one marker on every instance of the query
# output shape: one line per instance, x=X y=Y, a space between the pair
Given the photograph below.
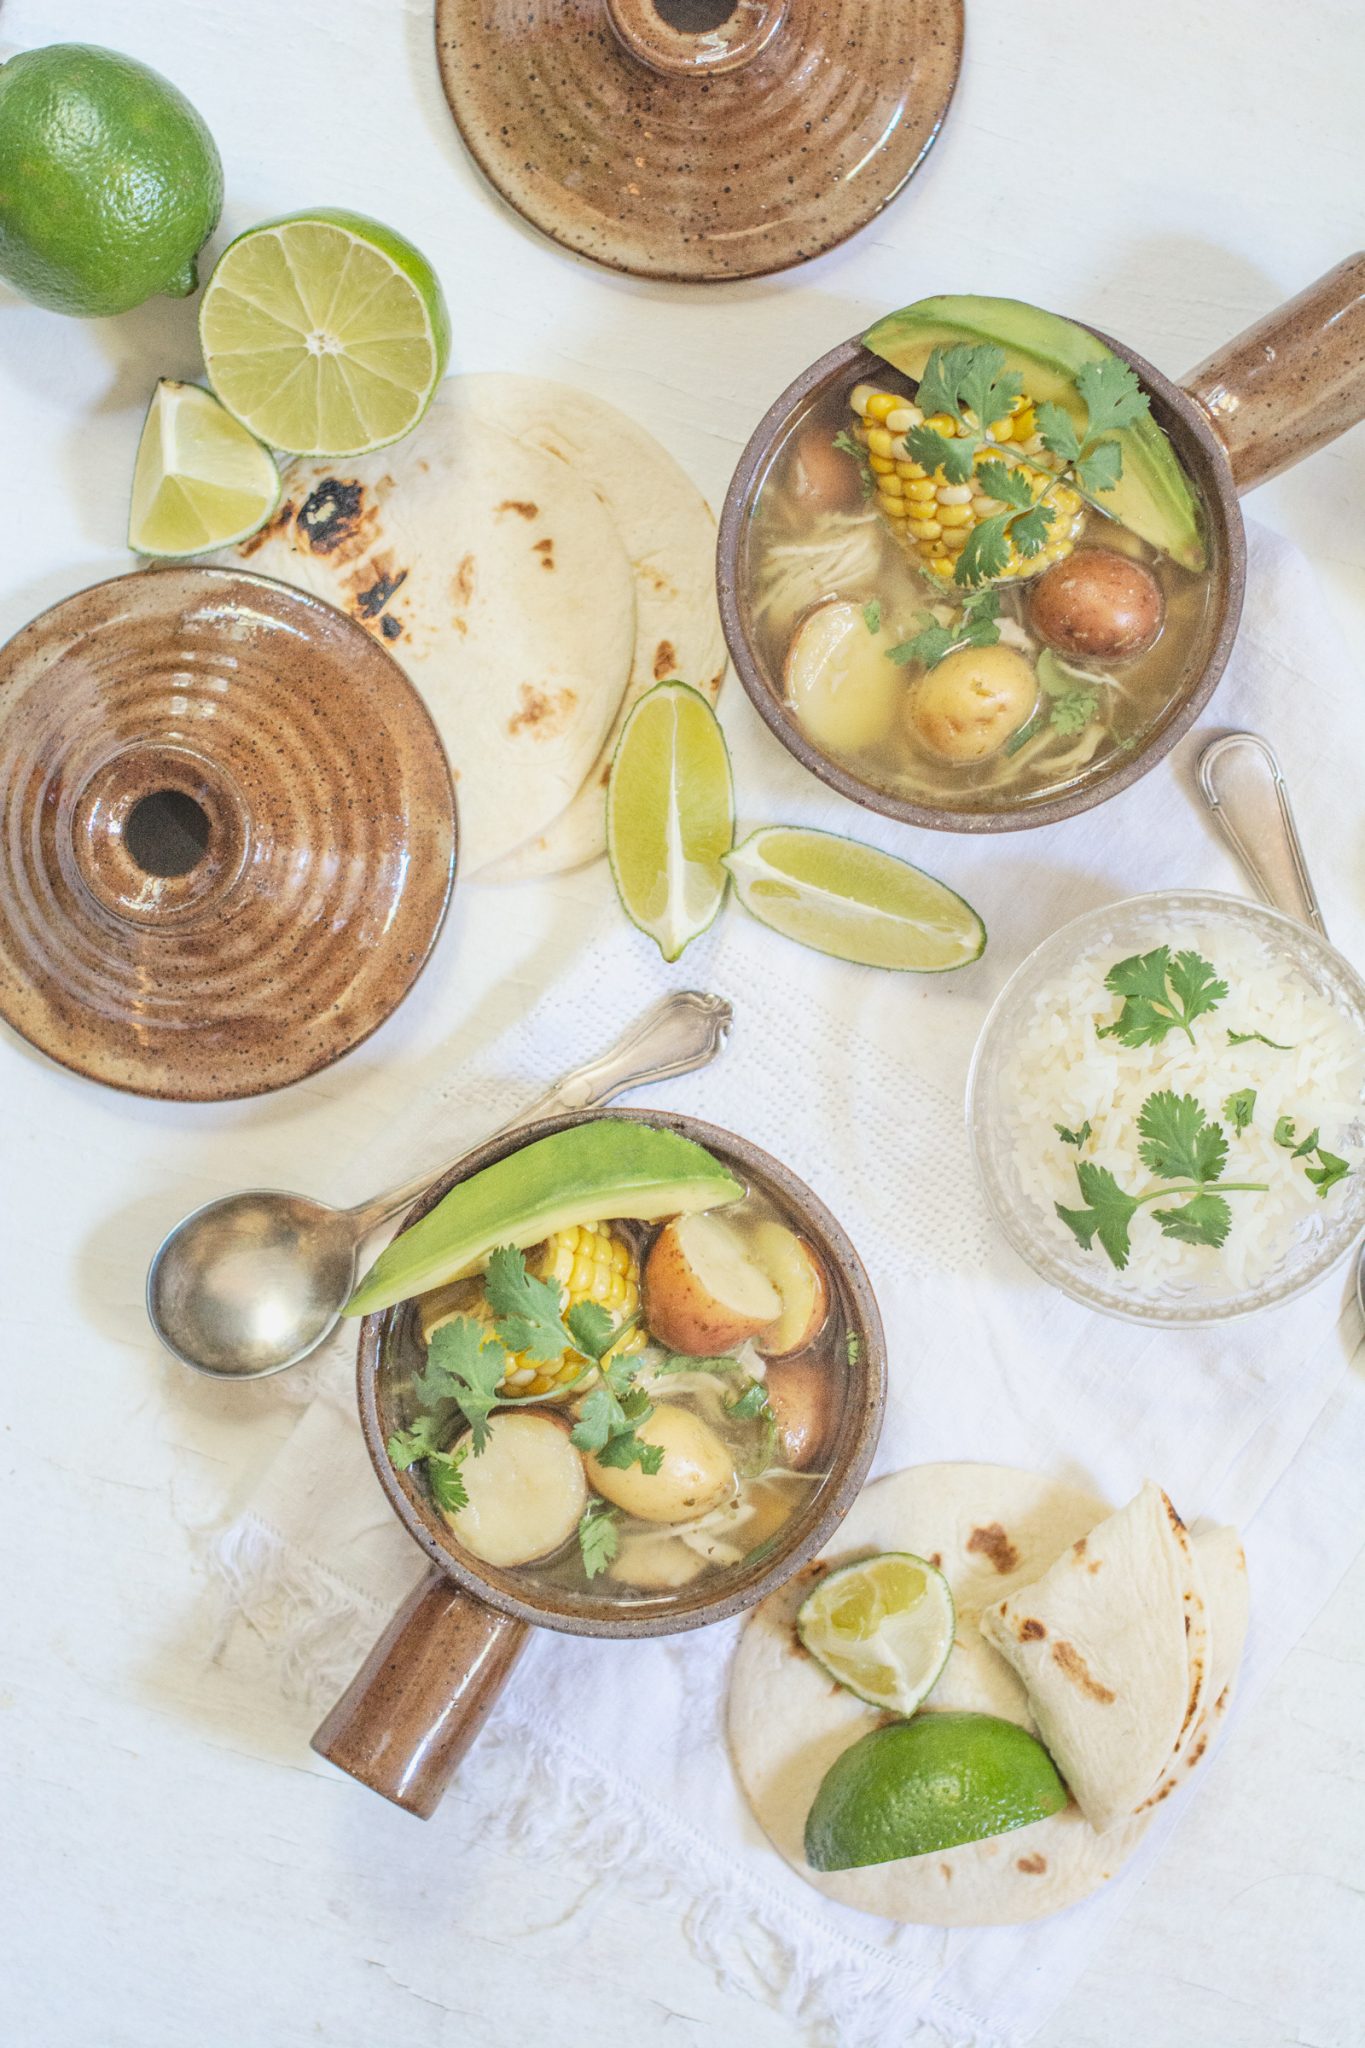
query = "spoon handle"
x=684 y=1031
x=1242 y=784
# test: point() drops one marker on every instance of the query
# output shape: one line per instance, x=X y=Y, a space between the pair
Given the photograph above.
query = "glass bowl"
x=1197 y=1288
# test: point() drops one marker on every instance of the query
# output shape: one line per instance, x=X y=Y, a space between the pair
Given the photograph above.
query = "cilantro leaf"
x=627 y=1449
x=998 y=480
x=985 y=386
x=407 y=1446
x=1108 y=1213
x=1257 y=1037
x=467 y=1366
x=1284 y=1131
x=1330 y=1170
x=606 y=1427
x=934 y=451
x=1076 y=1138
x=872 y=615
x=986 y=553
x=1310 y=1144
x=1029 y=530
x=1160 y=994
x=941 y=383
x=929 y=646
x=1204 y=1219
x=678 y=1361
x=597 y=1539
x=527 y=1309
x=447 y=1484
x=980 y=607
x=1240 y=1107
x=1073 y=712
x=1178 y=1141
x=1197 y=988
x=751 y=1402
x=1100 y=468
x=592 y=1329
x=599 y=1417
x=1113 y=397
x=1058 y=430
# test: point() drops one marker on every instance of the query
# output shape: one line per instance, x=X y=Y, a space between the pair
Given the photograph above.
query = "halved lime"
x=671 y=816
x=883 y=1627
x=326 y=333
x=929 y=1784
x=841 y=897
x=201 y=480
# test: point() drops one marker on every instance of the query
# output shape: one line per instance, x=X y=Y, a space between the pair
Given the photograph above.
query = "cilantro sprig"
x=1070 y=700
x=1330 y=1168
x=1161 y=992
x=974 y=624
x=1185 y=1150
x=970 y=385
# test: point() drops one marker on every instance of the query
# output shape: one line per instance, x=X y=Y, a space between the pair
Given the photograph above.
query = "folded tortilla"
x=1219 y=1555
x=989 y=1528
x=669 y=536
x=1112 y=1647
x=495 y=576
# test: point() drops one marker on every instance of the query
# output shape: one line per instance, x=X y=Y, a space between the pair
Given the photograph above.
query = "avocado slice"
x=1153 y=497
x=591 y=1171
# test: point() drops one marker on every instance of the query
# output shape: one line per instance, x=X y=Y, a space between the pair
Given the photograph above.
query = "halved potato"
x=838 y=679
x=696 y=1474
x=703 y=1292
x=527 y=1490
x=801 y=1396
x=799 y=1278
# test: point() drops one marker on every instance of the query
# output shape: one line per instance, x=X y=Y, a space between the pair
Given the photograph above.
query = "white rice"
x=1060 y=1072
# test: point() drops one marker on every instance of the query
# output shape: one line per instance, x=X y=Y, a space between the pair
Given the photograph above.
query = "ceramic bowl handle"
x=1292 y=382
x=648 y=34
x=422 y=1695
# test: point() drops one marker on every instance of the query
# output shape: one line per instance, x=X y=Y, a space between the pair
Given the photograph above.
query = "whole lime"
x=927 y=1784
x=110 y=183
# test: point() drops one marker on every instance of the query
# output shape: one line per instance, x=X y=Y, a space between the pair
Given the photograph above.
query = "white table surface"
x=174 y=1865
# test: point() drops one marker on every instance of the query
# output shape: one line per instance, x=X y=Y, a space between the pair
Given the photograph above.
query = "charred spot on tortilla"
x=523 y=508
x=546 y=550
x=665 y=660
x=542 y=716
x=1031 y=1631
x=370 y=603
x=1096 y=1564
x=1176 y=1522
x=937 y=1560
x=995 y=1544
x=332 y=515
x=1078 y=1547
x=462 y=583
x=1032 y=1866
x=390 y=627
x=947 y=1870
x=1073 y=1666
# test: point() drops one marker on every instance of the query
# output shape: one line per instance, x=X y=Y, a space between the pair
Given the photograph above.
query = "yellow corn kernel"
x=894 y=508
x=1024 y=422
x=859 y=398
x=880 y=442
x=923 y=488
x=882 y=465
x=1002 y=430
x=891 y=487
x=955 y=515
x=880 y=404
x=939 y=565
x=942 y=423
x=905 y=470
x=925 y=529
x=903 y=418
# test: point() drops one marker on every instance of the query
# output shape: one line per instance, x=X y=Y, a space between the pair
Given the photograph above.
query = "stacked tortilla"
x=536 y=562
x=1113 y=1637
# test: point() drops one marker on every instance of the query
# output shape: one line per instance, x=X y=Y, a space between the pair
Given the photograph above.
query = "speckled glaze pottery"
x=698 y=139
x=1274 y=394
x=229 y=834
x=421 y=1697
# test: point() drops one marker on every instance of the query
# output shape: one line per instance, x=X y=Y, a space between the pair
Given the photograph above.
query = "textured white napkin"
x=856 y=1080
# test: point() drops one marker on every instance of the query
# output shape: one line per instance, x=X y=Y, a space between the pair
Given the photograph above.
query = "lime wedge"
x=201 y=480
x=841 y=897
x=325 y=333
x=929 y=1784
x=671 y=816
x=883 y=1627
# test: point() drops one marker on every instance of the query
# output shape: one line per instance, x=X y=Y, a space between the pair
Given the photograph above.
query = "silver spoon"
x=1241 y=781
x=253 y=1283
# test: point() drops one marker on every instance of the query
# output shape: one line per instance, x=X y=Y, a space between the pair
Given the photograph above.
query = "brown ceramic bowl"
x=420 y=1699
x=1274 y=394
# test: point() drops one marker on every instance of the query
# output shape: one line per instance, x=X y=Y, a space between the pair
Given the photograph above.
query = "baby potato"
x=824 y=475
x=696 y=1474
x=801 y=1395
x=1099 y=603
x=703 y=1293
x=526 y=1489
x=838 y=679
x=967 y=707
x=799 y=1278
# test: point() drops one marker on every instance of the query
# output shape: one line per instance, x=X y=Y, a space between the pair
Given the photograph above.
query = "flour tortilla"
x=1223 y=1564
x=495 y=576
x=669 y=536
x=991 y=1529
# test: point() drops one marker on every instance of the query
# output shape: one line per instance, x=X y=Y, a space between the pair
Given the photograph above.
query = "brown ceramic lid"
x=229 y=834
x=699 y=139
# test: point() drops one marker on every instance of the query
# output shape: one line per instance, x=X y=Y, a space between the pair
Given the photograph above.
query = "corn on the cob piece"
x=932 y=518
x=591 y=1262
